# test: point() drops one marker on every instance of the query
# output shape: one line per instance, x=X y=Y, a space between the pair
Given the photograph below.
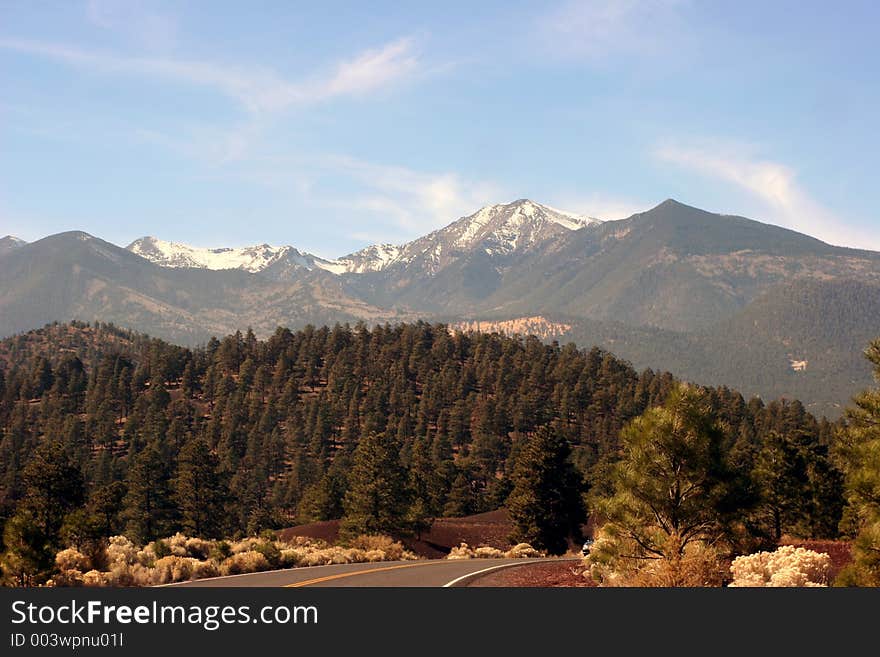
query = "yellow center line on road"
x=328 y=578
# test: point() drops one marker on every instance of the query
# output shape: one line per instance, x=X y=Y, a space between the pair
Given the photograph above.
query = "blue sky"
x=332 y=125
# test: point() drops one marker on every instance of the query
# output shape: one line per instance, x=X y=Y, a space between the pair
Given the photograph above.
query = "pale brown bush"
x=72 y=559
x=788 y=566
x=71 y=577
x=699 y=567
x=202 y=569
x=391 y=549
x=172 y=568
x=522 y=551
x=194 y=558
x=374 y=555
x=488 y=552
x=290 y=558
x=94 y=578
x=177 y=545
x=244 y=562
x=616 y=560
x=245 y=545
x=463 y=551
x=121 y=550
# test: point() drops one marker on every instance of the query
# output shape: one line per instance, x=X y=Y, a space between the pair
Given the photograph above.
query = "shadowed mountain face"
x=10 y=243
x=714 y=298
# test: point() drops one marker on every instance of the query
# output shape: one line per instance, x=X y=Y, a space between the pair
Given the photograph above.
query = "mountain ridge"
x=674 y=287
x=498 y=227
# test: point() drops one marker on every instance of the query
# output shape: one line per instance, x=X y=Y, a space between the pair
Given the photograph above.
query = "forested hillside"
x=105 y=431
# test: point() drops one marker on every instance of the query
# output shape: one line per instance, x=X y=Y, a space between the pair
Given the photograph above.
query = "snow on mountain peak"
x=497 y=229
x=175 y=254
x=375 y=257
x=511 y=226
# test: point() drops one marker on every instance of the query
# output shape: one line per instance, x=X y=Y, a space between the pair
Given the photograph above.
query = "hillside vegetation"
x=106 y=431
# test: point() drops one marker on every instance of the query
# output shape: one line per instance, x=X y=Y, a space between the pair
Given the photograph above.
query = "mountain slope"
x=275 y=262
x=717 y=299
x=10 y=243
x=495 y=230
x=77 y=276
x=672 y=267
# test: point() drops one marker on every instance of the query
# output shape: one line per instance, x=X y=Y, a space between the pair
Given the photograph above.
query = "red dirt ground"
x=536 y=575
x=491 y=528
x=839 y=551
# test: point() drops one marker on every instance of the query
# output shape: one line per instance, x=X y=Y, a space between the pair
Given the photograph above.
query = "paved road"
x=431 y=573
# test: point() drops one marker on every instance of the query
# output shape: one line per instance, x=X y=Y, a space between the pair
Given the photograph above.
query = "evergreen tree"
x=858 y=451
x=53 y=488
x=199 y=490
x=546 y=503
x=148 y=504
x=672 y=486
x=377 y=497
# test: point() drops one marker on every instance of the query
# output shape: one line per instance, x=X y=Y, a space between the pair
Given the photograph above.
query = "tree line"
x=106 y=431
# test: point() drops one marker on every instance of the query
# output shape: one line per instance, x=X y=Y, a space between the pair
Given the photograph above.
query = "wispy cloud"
x=137 y=20
x=416 y=201
x=598 y=29
x=374 y=202
x=601 y=206
x=260 y=90
x=773 y=183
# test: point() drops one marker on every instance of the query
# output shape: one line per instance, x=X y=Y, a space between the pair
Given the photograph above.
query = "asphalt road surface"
x=430 y=573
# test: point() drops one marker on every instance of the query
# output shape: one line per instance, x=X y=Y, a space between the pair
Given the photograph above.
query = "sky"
x=330 y=125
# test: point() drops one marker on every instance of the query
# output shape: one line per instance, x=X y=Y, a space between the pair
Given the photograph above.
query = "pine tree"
x=148 y=504
x=199 y=490
x=672 y=487
x=858 y=452
x=377 y=499
x=546 y=503
x=53 y=488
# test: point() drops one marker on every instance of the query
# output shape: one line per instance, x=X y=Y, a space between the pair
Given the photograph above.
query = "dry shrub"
x=94 y=578
x=72 y=559
x=123 y=574
x=391 y=550
x=306 y=541
x=313 y=559
x=245 y=545
x=616 y=560
x=147 y=556
x=179 y=558
x=488 y=552
x=463 y=551
x=788 y=566
x=290 y=558
x=698 y=567
x=244 y=562
x=202 y=569
x=120 y=550
x=71 y=577
x=172 y=568
x=374 y=555
x=339 y=556
x=522 y=551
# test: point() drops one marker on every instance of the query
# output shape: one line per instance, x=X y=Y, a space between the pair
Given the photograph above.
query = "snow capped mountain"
x=175 y=254
x=512 y=227
x=373 y=258
x=497 y=230
x=277 y=261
